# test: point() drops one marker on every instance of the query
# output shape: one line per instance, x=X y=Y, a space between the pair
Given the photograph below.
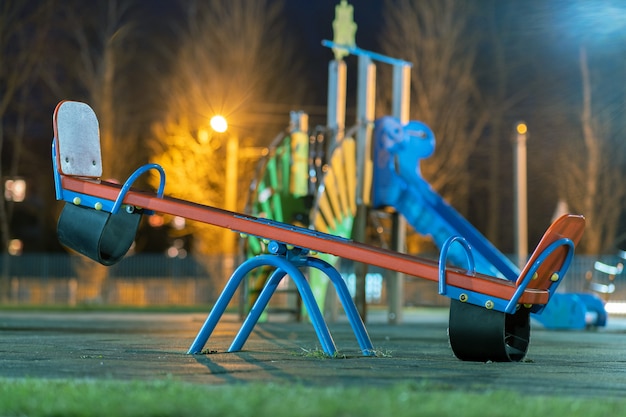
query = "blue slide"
x=398 y=183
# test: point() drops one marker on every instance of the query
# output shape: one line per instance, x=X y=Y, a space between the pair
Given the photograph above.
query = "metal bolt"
x=463 y=297
x=76 y=200
x=554 y=277
x=489 y=304
x=98 y=206
x=274 y=247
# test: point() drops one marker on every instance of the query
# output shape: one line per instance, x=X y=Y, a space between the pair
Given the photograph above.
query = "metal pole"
x=230 y=193
x=400 y=105
x=521 y=193
x=366 y=99
x=336 y=109
x=366 y=91
x=401 y=100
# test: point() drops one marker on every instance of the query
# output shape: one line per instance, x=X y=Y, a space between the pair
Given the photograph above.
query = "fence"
x=156 y=280
x=142 y=280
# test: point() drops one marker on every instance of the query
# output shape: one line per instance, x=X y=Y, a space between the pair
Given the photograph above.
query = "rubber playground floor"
x=149 y=346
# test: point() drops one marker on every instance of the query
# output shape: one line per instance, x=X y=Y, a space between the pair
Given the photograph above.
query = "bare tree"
x=21 y=50
x=434 y=36
x=103 y=56
x=592 y=167
x=99 y=59
x=233 y=60
x=501 y=96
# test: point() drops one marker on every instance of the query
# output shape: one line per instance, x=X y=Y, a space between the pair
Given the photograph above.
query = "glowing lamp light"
x=219 y=124
x=521 y=128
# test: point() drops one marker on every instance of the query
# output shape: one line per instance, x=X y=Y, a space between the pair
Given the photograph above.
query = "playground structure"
x=489 y=317
x=331 y=203
x=384 y=156
x=397 y=183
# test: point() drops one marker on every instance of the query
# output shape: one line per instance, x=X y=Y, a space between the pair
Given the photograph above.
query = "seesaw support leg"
x=309 y=301
x=285 y=264
x=218 y=309
x=346 y=301
x=284 y=267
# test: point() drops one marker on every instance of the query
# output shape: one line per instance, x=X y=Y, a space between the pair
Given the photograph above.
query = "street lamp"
x=521 y=199
x=218 y=123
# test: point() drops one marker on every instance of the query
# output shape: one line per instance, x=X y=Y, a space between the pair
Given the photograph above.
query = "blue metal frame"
x=287 y=261
x=521 y=287
x=499 y=304
x=355 y=50
x=112 y=207
x=133 y=177
x=443 y=257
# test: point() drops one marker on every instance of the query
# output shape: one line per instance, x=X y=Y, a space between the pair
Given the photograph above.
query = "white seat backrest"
x=77 y=136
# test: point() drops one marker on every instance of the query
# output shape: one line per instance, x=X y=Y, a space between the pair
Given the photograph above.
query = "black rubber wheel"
x=482 y=335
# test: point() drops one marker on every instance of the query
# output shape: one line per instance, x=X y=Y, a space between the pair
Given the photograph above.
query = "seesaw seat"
x=489 y=317
x=90 y=226
x=100 y=235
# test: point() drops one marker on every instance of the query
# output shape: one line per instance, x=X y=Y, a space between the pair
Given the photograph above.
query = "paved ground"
x=149 y=346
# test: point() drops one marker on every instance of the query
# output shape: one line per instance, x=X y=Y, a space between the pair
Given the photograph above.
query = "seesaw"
x=489 y=317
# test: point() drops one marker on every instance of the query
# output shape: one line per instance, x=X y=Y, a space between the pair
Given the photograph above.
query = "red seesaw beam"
x=321 y=242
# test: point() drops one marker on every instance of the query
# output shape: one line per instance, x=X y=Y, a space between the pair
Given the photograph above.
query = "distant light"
x=178 y=222
x=15 y=247
x=15 y=190
x=608 y=269
x=219 y=124
x=156 y=220
x=203 y=136
x=615 y=307
x=521 y=128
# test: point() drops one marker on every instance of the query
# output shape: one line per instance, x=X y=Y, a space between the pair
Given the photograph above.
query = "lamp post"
x=220 y=125
x=521 y=199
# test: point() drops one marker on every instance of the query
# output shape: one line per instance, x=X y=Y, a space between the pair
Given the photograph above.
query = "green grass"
x=318 y=353
x=40 y=397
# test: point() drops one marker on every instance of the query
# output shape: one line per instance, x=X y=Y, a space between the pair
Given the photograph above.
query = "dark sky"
x=311 y=22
